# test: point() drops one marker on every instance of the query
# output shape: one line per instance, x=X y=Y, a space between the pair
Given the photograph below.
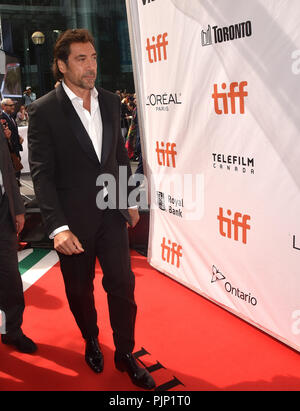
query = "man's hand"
x=21 y=140
x=67 y=243
x=20 y=221
x=134 y=215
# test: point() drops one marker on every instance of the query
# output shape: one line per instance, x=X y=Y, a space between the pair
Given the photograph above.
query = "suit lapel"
x=10 y=120
x=107 y=137
x=76 y=124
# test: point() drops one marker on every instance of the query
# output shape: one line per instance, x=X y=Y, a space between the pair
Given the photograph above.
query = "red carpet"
x=191 y=343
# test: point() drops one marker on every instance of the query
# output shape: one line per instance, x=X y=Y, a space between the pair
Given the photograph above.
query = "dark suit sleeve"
x=17 y=199
x=42 y=166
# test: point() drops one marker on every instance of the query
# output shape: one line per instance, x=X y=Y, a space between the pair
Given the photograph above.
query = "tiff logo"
x=238 y=222
x=146 y=1
x=233 y=95
x=171 y=252
x=165 y=154
x=158 y=48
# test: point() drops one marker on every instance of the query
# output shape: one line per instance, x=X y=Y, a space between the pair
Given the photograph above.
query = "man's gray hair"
x=5 y=101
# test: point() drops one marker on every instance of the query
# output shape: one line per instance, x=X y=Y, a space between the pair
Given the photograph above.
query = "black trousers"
x=11 y=288
x=110 y=245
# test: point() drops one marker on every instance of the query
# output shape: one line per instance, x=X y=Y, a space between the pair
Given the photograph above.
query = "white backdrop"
x=24 y=154
x=218 y=83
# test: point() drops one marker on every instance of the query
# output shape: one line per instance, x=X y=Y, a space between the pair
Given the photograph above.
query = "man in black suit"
x=74 y=137
x=11 y=223
x=8 y=109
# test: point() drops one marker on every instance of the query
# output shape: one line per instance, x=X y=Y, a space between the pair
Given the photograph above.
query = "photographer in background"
x=15 y=141
x=29 y=96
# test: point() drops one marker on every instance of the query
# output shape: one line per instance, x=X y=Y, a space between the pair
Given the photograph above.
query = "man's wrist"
x=58 y=230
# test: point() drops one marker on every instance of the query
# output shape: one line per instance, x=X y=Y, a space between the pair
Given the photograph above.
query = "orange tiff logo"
x=171 y=252
x=158 y=50
x=165 y=154
x=237 y=93
x=237 y=224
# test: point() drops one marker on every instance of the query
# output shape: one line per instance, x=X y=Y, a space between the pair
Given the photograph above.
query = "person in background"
x=131 y=135
x=29 y=96
x=124 y=118
x=22 y=117
x=12 y=219
x=15 y=141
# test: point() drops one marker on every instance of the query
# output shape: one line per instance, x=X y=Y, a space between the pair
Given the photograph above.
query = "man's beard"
x=87 y=84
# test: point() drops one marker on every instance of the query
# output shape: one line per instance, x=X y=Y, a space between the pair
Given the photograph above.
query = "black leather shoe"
x=93 y=355
x=138 y=375
x=21 y=343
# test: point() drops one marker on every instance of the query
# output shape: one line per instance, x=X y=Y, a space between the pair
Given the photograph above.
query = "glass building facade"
x=106 y=20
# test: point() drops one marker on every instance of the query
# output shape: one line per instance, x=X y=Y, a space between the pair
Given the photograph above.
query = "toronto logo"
x=215 y=34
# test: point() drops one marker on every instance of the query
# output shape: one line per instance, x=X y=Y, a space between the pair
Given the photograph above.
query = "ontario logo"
x=215 y=34
x=218 y=276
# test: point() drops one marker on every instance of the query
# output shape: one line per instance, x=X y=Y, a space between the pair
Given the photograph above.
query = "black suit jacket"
x=16 y=205
x=64 y=165
x=14 y=138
